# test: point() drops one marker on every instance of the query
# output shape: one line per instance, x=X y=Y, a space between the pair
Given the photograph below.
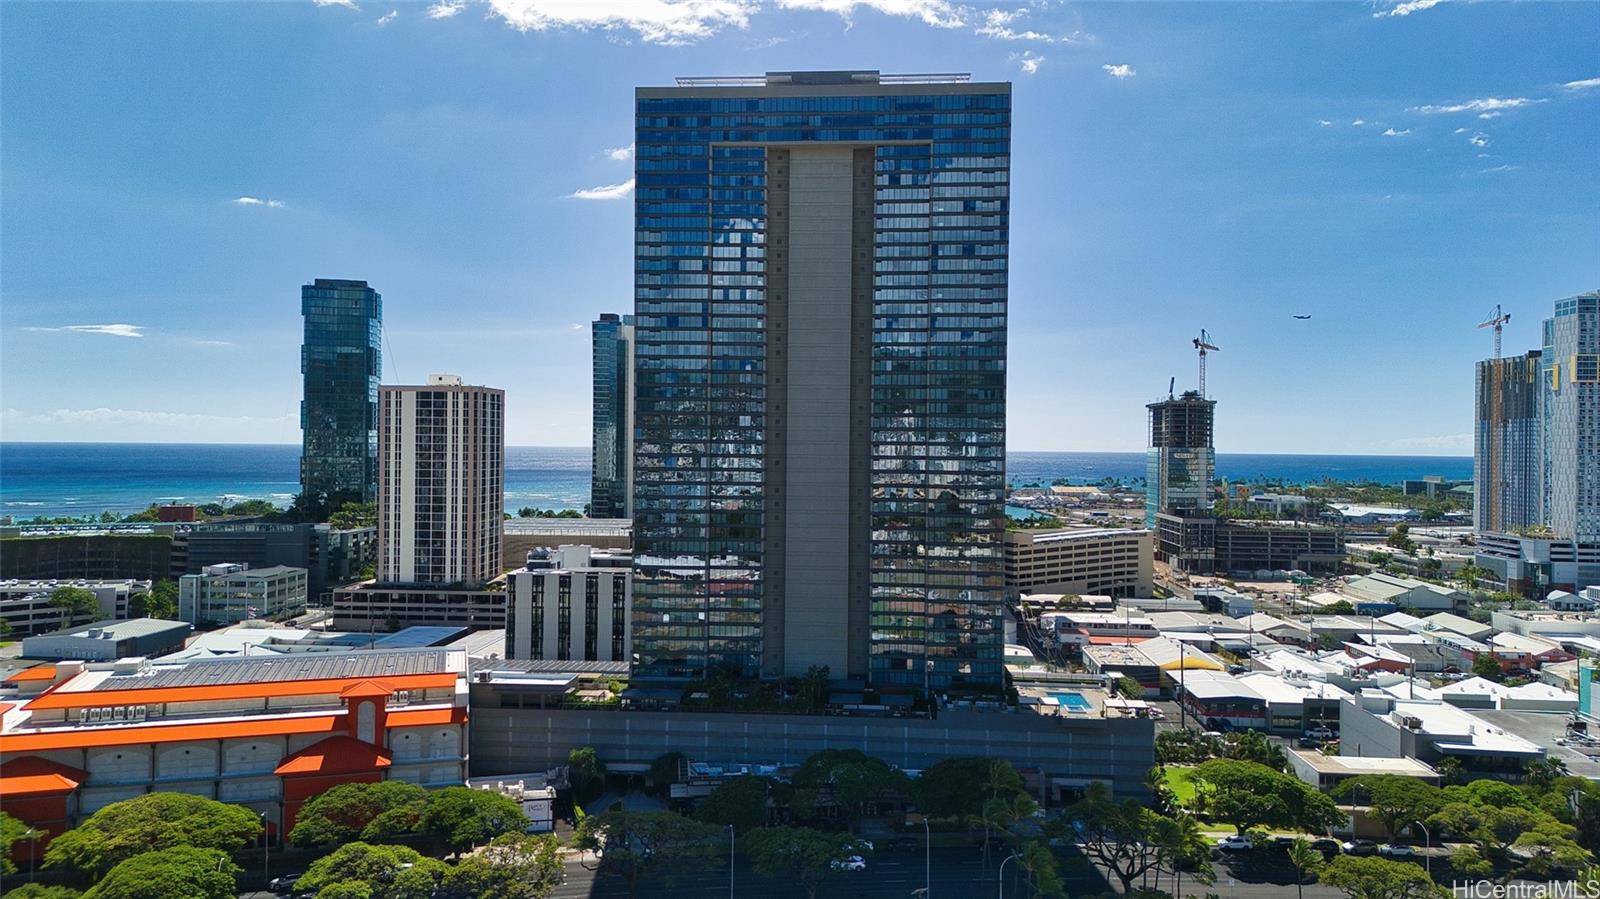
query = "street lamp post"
x=266 y=847
x=1001 y=892
x=927 y=859
x=1427 y=848
x=33 y=835
x=730 y=861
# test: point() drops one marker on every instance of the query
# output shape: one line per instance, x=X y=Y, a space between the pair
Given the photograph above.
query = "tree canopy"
x=848 y=779
x=11 y=831
x=344 y=813
x=379 y=869
x=1247 y=794
x=177 y=872
x=586 y=772
x=153 y=821
x=808 y=856
x=1379 y=878
x=742 y=802
x=661 y=843
x=512 y=866
x=1131 y=840
x=958 y=787
x=75 y=602
x=1395 y=800
x=459 y=817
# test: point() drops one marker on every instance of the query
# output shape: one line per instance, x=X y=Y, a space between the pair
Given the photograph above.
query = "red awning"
x=335 y=755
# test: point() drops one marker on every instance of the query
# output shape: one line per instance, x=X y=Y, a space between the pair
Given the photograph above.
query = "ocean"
x=56 y=479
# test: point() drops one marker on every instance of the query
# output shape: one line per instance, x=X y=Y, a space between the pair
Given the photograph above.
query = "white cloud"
x=1407 y=8
x=203 y=342
x=347 y=4
x=1499 y=168
x=115 y=330
x=1479 y=140
x=937 y=13
x=388 y=17
x=1029 y=61
x=1324 y=123
x=1359 y=122
x=1119 y=71
x=997 y=24
x=1487 y=106
x=620 y=154
x=1390 y=132
x=106 y=416
x=605 y=192
x=1585 y=84
x=444 y=9
x=258 y=201
x=653 y=21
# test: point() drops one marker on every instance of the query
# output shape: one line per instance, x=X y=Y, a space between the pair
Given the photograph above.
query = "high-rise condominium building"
x=339 y=409
x=1181 y=464
x=819 y=466
x=442 y=482
x=611 y=480
x=1507 y=454
x=1571 y=411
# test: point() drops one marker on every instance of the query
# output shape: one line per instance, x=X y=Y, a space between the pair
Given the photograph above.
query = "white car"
x=1235 y=843
x=1395 y=850
x=853 y=863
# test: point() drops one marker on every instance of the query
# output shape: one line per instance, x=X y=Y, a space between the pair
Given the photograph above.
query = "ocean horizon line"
x=558 y=446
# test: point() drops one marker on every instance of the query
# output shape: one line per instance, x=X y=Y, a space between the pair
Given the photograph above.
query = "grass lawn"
x=1180 y=782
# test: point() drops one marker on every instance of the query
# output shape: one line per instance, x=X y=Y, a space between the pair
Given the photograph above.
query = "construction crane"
x=1171 y=383
x=1497 y=321
x=1203 y=343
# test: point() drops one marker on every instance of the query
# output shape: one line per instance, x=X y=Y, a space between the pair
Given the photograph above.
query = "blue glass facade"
x=341 y=364
x=928 y=239
x=613 y=390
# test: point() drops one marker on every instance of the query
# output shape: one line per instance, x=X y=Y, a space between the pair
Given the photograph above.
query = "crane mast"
x=1497 y=322
x=1203 y=344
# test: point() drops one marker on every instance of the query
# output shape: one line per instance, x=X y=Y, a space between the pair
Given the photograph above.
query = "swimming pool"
x=1071 y=701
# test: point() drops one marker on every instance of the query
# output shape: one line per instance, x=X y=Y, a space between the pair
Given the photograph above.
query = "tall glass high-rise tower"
x=1571 y=412
x=610 y=487
x=819 y=465
x=339 y=409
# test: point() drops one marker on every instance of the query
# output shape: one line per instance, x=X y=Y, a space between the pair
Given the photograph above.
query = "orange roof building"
x=266 y=732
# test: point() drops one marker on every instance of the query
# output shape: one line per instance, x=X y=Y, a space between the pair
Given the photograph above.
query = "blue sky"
x=175 y=171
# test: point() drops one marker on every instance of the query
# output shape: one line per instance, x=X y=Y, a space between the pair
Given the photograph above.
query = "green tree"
x=40 y=891
x=459 y=817
x=1305 y=861
x=1467 y=861
x=1129 y=688
x=163 y=601
x=377 y=867
x=1338 y=607
x=1247 y=794
x=1379 y=878
x=177 y=872
x=742 y=802
x=849 y=779
x=810 y=857
x=512 y=866
x=154 y=821
x=1039 y=862
x=1253 y=746
x=75 y=602
x=11 y=831
x=354 y=515
x=658 y=843
x=343 y=813
x=950 y=788
x=1394 y=800
x=663 y=771
x=586 y=772
x=1129 y=840
x=1487 y=666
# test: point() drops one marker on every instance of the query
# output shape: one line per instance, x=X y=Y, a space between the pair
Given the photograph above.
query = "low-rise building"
x=1532 y=565
x=1405 y=593
x=371 y=606
x=106 y=641
x=1526 y=651
x=1324 y=772
x=1354 y=513
x=330 y=556
x=231 y=592
x=1376 y=724
x=1108 y=561
x=564 y=607
x=1296 y=704
x=1219 y=700
x=25 y=605
x=266 y=733
x=1278 y=548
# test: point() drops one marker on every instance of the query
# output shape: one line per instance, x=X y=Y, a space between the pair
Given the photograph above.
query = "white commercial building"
x=26 y=608
x=441 y=482
x=232 y=592
x=1109 y=561
x=563 y=607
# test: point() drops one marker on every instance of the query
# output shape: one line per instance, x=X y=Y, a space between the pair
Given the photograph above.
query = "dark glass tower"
x=820 y=380
x=609 y=494
x=339 y=412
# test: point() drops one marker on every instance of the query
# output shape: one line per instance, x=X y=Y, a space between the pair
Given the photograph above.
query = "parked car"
x=904 y=844
x=1235 y=843
x=862 y=844
x=1396 y=850
x=1321 y=733
x=1309 y=743
x=853 y=863
x=284 y=884
x=1328 y=848
x=1238 y=669
x=1157 y=714
x=1359 y=847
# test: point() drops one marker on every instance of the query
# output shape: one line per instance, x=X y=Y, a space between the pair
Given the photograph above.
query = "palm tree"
x=1305 y=860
